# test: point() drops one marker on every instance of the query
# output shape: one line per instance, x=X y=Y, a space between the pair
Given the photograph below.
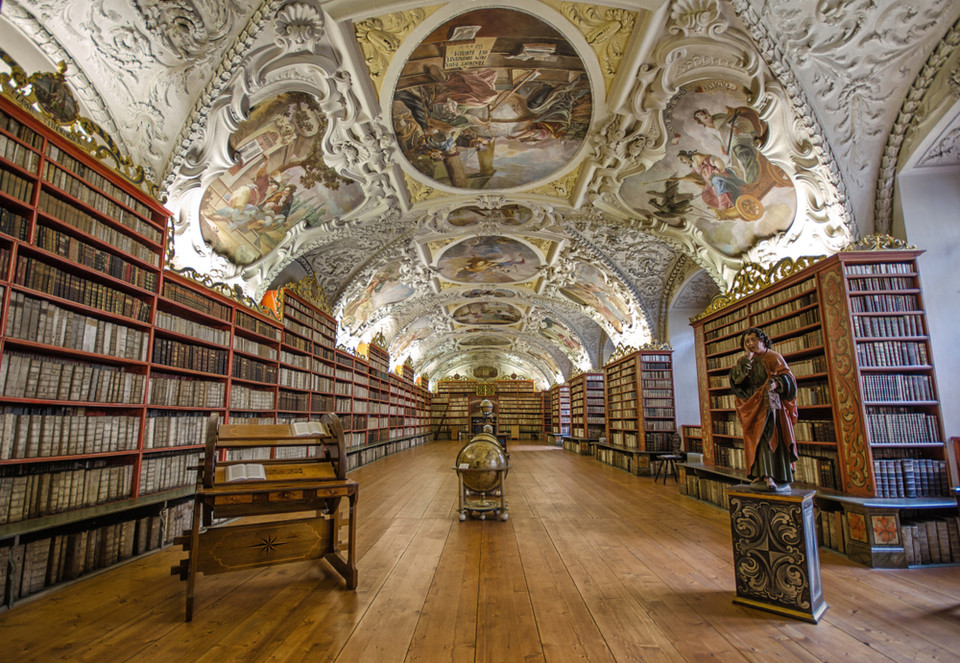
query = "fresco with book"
x=385 y=287
x=279 y=180
x=493 y=98
x=591 y=290
x=487 y=313
x=715 y=175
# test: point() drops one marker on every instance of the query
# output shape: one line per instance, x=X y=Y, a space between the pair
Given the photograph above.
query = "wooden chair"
x=667 y=463
x=312 y=481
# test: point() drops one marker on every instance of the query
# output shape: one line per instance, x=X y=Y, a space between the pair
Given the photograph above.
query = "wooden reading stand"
x=315 y=483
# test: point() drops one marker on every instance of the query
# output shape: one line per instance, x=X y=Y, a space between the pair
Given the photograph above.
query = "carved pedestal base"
x=775 y=554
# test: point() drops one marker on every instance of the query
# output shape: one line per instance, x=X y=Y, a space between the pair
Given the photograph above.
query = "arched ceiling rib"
x=499 y=188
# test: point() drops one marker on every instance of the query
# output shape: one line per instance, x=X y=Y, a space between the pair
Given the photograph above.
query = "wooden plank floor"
x=594 y=564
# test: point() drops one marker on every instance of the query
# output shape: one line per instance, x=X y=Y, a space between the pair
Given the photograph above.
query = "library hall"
x=479 y=331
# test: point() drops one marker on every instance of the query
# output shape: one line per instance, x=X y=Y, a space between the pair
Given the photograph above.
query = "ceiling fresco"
x=499 y=188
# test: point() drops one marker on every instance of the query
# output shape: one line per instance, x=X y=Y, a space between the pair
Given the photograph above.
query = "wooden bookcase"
x=560 y=407
x=639 y=409
x=88 y=474
x=456 y=395
x=110 y=365
x=692 y=436
x=587 y=420
x=853 y=330
x=520 y=414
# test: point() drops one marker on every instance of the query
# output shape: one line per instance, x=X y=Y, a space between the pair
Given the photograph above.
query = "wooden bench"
x=314 y=481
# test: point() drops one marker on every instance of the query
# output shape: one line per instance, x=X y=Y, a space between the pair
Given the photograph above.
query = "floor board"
x=593 y=564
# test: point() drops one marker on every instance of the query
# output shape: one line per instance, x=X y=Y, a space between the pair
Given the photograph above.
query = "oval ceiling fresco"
x=280 y=179
x=487 y=313
x=715 y=175
x=493 y=98
x=418 y=330
x=487 y=292
x=480 y=340
x=488 y=259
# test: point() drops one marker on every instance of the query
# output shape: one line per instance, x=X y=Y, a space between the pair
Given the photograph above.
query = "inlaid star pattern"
x=268 y=544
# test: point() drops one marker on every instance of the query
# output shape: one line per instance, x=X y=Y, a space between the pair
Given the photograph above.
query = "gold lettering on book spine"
x=851 y=443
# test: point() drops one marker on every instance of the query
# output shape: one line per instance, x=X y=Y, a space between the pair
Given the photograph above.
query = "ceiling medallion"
x=491 y=99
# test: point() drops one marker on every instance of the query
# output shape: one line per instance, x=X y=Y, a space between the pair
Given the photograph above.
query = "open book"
x=248 y=472
x=308 y=429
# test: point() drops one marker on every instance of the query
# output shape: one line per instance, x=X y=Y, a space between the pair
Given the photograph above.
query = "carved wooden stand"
x=775 y=555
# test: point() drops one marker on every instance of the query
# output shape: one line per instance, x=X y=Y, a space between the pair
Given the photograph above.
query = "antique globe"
x=482 y=452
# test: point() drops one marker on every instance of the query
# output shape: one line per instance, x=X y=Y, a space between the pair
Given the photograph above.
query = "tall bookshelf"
x=456 y=394
x=640 y=419
x=521 y=414
x=853 y=330
x=560 y=407
x=587 y=406
x=88 y=474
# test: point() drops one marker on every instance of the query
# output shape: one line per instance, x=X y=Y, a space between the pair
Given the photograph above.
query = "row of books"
x=815 y=430
x=54 y=281
x=782 y=295
x=884 y=303
x=192 y=299
x=15 y=185
x=897 y=387
x=28 y=567
x=168 y=471
x=191 y=328
x=658 y=412
x=13 y=223
x=810 y=366
x=21 y=131
x=42 y=321
x=934 y=541
x=832 y=529
x=817 y=393
x=58 y=487
x=295 y=379
x=185 y=392
x=63 y=211
x=51 y=432
x=811 y=316
x=106 y=206
x=19 y=154
x=812 y=339
x=293 y=401
x=247 y=398
x=617 y=459
x=296 y=360
x=892 y=353
x=816 y=471
x=30 y=376
x=96 y=259
x=730 y=427
x=252 y=347
x=96 y=179
x=878 y=268
x=257 y=326
x=173 y=429
x=188 y=355
x=911 y=477
x=890 y=283
x=770 y=314
x=889 y=425
x=888 y=325
x=251 y=369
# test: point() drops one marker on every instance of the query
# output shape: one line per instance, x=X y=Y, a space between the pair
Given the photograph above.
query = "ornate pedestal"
x=775 y=554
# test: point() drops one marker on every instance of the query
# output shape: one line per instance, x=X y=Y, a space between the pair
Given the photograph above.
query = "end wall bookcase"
x=853 y=330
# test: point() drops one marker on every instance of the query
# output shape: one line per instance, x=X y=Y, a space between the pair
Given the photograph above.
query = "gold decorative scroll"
x=379 y=340
x=309 y=288
x=656 y=345
x=621 y=352
x=46 y=96
x=607 y=31
x=234 y=293
x=380 y=37
x=753 y=278
x=879 y=242
x=420 y=192
x=559 y=188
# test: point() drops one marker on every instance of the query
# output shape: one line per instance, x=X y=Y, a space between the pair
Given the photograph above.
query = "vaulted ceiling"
x=512 y=187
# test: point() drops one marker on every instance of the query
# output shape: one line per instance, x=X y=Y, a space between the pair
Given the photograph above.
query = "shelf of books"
x=520 y=414
x=456 y=394
x=587 y=420
x=692 y=436
x=84 y=472
x=639 y=409
x=560 y=409
x=545 y=406
x=853 y=330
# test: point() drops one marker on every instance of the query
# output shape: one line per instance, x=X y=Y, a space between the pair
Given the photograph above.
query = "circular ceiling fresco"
x=491 y=99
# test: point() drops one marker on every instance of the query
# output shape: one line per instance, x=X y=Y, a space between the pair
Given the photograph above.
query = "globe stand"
x=478 y=503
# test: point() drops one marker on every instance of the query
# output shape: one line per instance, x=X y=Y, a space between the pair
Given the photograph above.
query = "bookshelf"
x=692 y=437
x=639 y=409
x=456 y=395
x=560 y=408
x=88 y=472
x=587 y=420
x=853 y=330
x=520 y=409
